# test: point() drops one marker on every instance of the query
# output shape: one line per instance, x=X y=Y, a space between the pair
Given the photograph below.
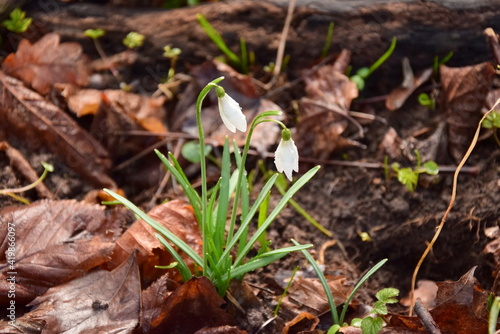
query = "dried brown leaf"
x=179 y=219
x=27 y=116
x=325 y=112
x=302 y=322
x=100 y=302
x=464 y=94
x=54 y=243
x=399 y=95
x=154 y=308
x=48 y=62
x=194 y=305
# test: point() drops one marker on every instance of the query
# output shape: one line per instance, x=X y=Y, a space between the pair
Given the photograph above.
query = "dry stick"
x=426 y=318
x=281 y=47
x=452 y=201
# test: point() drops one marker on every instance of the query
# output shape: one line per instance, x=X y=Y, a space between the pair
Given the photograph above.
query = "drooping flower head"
x=286 y=157
x=230 y=111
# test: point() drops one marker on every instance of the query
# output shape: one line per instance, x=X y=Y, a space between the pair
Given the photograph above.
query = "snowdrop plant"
x=224 y=213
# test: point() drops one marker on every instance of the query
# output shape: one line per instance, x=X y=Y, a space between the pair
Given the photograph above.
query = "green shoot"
x=492 y=121
x=328 y=40
x=133 y=40
x=226 y=242
x=18 y=21
x=493 y=318
x=289 y=284
x=94 y=33
x=363 y=73
x=47 y=168
x=425 y=100
x=242 y=61
x=373 y=324
x=333 y=308
x=408 y=176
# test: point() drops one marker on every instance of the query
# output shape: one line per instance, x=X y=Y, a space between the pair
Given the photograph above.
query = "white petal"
x=231 y=114
x=286 y=158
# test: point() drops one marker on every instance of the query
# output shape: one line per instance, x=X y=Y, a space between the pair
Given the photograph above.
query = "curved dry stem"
x=452 y=201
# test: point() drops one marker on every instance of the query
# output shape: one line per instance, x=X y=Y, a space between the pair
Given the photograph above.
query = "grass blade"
x=182 y=266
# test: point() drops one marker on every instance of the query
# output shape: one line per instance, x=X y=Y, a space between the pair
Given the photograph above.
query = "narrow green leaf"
x=181 y=265
x=214 y=35
x=158 y=227
x=293 y=189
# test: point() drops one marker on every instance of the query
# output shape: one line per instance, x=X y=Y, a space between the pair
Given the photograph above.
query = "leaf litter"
x=81 y=270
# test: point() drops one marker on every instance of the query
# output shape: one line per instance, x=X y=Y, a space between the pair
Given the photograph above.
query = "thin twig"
x=426 y=318
x=281 y=47
x=452 y=201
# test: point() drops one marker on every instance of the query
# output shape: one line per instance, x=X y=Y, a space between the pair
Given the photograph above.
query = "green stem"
x=203 y=166
x=383 y=58
x=259 y=119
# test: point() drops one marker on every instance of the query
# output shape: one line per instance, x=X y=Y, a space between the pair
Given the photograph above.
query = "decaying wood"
x=423 y=29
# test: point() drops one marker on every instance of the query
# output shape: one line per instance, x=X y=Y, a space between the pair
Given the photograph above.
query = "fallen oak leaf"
x=27 y=116
x=47 y=62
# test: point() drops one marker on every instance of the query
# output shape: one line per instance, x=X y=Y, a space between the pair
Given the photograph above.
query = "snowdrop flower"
x=230 y=112
x=286 y=157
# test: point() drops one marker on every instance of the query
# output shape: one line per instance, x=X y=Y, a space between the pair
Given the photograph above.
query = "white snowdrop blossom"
x=286 y=157
x=230 y=112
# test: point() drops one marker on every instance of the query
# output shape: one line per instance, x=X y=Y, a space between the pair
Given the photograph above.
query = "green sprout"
x=133 y=40
x=242 y=61
x=363 y=73
x=373 y=323
x=18 y=21
x=408 y=176
x=94 y=33
x=47 y=168
x=492 y=121
x=425 y=99
x=328 y=40
x=338 y=321
x=226 y=243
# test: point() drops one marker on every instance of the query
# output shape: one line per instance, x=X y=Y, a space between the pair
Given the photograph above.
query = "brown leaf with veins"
x=154 y=308
x=56 y=241
x=48 y=62
x=178 y=218
x=194 y=305
x=325 y=112
x=28 y=117
x=464 y=94
x=461 y=308
x=99 y=302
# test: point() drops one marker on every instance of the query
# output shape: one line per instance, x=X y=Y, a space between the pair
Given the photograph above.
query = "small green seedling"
x=133 y=40
x=226 y=241
x=363 y=73
x=338 y=321
x=373 y=323
x=242 y=61
x=47 y=168
x=94 y=33
x=18 y=21
x=425 y=99
x=408 y=176
x=492 y=121
x=328 y=40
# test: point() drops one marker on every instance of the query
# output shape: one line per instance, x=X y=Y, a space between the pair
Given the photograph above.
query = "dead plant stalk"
x=452 y=201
